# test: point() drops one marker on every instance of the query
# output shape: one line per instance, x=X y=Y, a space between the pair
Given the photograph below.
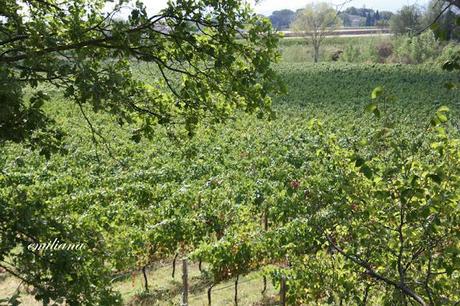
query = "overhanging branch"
x=371 y=272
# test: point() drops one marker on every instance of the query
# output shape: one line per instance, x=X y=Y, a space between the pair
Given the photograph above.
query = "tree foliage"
x=442 y=17
x=408 y=20
x=212 y=57
x=369 y=17
x=282 y=19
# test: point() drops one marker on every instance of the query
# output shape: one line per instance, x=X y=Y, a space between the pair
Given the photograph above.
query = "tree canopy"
x=211 y=57
x=441 y=16
x=369 y=16
x=407 y=20
x=282 y=19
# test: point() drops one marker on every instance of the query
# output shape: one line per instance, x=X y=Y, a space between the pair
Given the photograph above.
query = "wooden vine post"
x=184 y=282
x=283 y=290
x=266 y=229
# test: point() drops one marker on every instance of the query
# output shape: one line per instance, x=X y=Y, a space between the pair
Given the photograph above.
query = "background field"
x=370 y=49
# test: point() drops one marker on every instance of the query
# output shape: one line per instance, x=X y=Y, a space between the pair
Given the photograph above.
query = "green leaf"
x=377 y=92
x=443 y=109
x=436 y=178
x=359 y=162
x=406 y=195
x=435 y=122
x=442 y=117
x=436 y=145
x=371 y=107
x=366 y=171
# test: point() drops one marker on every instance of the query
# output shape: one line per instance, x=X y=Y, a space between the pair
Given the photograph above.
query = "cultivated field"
x=211 y=193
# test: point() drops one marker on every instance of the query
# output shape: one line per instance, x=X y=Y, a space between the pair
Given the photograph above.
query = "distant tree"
x=346 y=19
x=408 y=20
x=315 y=22
x=369 y=19
x=352 y=11
x=282 y=19
x=357 y=11
x=386 y=15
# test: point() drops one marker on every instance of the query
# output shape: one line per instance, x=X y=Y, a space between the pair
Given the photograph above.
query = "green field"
x=300 y=50
x=212 y=192
x=371 y=49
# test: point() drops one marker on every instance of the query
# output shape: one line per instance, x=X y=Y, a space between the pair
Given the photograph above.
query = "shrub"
x=336 y=55
x=448 y=52
x=351 y=54
x=417 y=49
x=384 y=50
x=370 y=54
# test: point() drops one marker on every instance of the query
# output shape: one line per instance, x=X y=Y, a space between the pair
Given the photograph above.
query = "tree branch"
x=436 y=19
x=371 y=272
x=78 y=45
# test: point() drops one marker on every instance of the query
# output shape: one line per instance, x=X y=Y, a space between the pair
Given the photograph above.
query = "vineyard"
x=350 y=192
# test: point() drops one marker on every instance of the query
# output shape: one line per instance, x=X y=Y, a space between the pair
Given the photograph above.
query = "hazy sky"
x=268 y=6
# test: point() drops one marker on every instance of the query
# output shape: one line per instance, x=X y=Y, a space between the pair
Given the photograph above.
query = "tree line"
x=410 y=19
x=283 y=19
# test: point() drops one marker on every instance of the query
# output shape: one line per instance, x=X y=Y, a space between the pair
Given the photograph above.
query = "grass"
x=166 y=290
x=9 y=285
x=299 y=50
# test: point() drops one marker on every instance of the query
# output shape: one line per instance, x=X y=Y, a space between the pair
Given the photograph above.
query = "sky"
x=268 y=6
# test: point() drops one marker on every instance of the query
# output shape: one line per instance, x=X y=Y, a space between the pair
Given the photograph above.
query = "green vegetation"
x=299 y=50
x=407 y=20
x=144 y=138
x=335 y=177
x=417 y=33
x=425 y=48
x=166 y=290
x=212 y=58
